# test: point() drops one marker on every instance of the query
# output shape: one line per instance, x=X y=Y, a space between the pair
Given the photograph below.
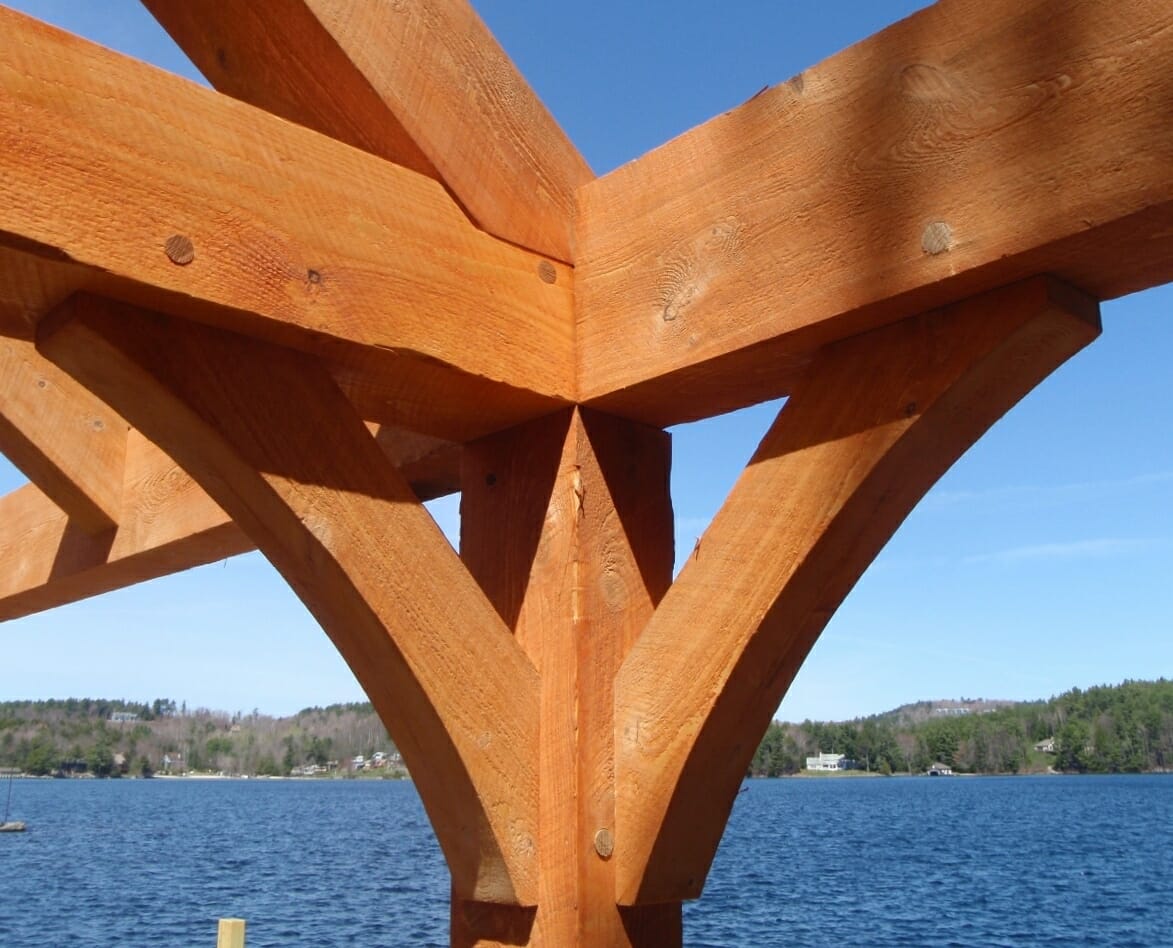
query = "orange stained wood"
x=567 y=525
x=209 y=208
x=270 y=437
x=166 y=523
x=63 y=438
x=974 y=144
x=422 y=83
x=576 y=726
x=872 y=426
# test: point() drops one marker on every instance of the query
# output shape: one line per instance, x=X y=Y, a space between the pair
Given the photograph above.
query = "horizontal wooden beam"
x=423 y=84
x=974 y=144
x=193 y=203
x=66 y=441
x=166 y=523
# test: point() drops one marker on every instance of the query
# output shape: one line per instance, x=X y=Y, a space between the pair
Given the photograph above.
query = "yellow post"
x=231 y=933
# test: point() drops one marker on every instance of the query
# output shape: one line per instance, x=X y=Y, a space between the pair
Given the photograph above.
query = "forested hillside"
x=1107 y=729
x=110 y=738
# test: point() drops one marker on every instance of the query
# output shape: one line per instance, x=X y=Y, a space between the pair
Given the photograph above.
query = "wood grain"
x=269 y=436
x=970 y=146
x=875 y=422
x=567 y=525
x=166 y=523
x=62 y=438
x=422 y=84
x=297 y=238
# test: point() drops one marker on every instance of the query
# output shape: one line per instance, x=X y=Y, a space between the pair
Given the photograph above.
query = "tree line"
x=1106 y=729
x=109 y=737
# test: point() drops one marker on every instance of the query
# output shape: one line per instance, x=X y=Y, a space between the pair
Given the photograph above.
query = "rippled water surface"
x=962 y=861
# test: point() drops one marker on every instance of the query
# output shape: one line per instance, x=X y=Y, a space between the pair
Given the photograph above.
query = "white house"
x=828 y=762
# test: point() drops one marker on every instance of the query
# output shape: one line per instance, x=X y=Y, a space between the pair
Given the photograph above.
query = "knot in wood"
x=547 y=272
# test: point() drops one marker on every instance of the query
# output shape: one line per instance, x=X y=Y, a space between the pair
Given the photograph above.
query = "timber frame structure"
x=279 y=315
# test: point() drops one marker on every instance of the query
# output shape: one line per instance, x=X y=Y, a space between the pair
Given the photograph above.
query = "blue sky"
x=1038 y=563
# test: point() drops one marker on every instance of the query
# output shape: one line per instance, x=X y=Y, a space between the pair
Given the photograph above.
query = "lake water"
x=962 y=861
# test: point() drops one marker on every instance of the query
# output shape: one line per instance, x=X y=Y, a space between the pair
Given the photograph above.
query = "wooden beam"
x=974 y=144
x=875 y=422
x=30 y=286
x=64 y=440
x=567 y=525
x=430 y=465
x=274 y=441
x=278 y=232
x=423 y=84
x=166 y=524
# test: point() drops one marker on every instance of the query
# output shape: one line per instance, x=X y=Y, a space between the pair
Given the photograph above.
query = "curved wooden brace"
x=271 y=438
x=877 y=419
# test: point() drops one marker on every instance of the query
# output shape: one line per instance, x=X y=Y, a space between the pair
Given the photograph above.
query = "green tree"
x=41 y=757
x=1071 y=746
x=267 y=766
x=100 y=760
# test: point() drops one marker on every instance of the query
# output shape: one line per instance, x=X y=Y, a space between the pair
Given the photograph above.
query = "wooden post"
x=230 y=933
x=567 y=525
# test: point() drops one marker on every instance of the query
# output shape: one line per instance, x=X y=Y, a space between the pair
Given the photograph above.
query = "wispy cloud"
x=1034 y=494
x=1074 y=549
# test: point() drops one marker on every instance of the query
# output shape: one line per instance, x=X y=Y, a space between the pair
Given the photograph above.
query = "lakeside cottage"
x=829 y=762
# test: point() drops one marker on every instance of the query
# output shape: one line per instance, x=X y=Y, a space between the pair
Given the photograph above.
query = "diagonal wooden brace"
x=272 y=439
